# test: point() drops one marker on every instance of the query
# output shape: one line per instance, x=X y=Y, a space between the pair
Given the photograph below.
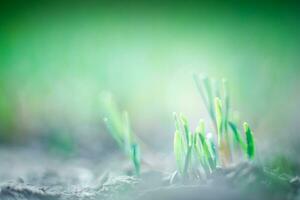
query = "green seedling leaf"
x=179 y=151
x=212 y=149
x=205 y=146
x=237 y=137
x=187 y=160
x=136 y=159
x=200 y=155
x=206 y=151
x=250 y=141
x=113 y=133
x=187 y=132
x=113 y=118
x=219 y=118
x=119 y=128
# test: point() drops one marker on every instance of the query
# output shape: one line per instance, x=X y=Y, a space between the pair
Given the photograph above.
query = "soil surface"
x=33 y=174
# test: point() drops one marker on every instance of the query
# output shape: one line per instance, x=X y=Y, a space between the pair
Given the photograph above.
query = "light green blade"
x=200 y=131
x=114 y=120
x=179 y=150
x=187 y=160
x=219 y=118
x=186 y=129
x=200 y=154
x=119 y=128
x=213 y=150
x=114 y=134
x=206 y=151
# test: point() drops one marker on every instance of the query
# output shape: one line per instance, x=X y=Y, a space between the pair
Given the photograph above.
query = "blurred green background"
x=56 y=57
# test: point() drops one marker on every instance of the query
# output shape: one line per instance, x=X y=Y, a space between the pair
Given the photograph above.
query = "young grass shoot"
x=119 y=128
x=199 y=152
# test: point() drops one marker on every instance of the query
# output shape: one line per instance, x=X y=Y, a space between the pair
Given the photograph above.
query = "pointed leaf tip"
x=250 y=141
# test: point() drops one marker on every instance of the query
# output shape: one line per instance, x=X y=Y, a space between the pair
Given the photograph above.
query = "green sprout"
x=238 y=141
x=119 y=128
x=201 y=145
x=183 y=144
x=206 y=146
x=179 y=150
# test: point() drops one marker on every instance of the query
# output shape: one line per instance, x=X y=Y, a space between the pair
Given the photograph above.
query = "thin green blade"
x=213 y=151
x=113 y=118
x=113 y=133
x=200 y=131
x=186 y=128
x=219 y=118
x=200 y=155
x=179 y=150
x=237 y=136
x=187 y=160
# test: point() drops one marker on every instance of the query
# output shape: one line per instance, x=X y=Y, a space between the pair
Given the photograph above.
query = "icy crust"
x=20 y=191
x=244 y=181
x=34 y=175
x=112 y=188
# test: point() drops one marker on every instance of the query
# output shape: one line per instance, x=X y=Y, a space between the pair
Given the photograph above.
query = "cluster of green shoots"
x=199 y=152
x=119 y=128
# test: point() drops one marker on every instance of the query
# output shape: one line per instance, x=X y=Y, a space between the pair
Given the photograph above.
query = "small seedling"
x=119 y=128
x=222 y=121
x=183 y=144
x=200 y=144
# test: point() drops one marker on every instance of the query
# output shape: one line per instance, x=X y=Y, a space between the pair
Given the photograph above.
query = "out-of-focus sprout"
x=119 y=128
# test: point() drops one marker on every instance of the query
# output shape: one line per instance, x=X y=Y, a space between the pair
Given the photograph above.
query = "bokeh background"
x=56 y=57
